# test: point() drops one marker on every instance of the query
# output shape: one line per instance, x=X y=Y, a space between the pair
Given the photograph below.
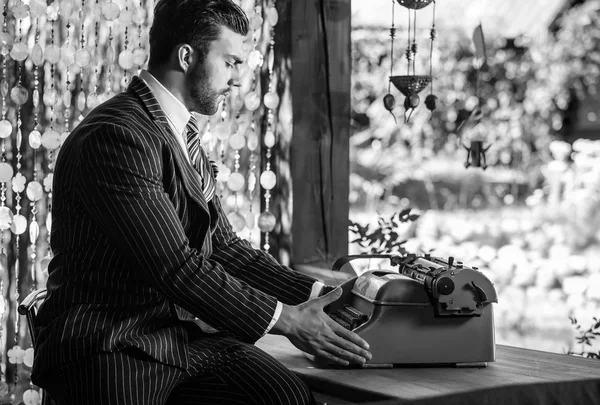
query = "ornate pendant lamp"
x=411 y=84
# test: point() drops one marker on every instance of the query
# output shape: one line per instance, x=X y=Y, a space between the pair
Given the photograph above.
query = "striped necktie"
x=199 y=159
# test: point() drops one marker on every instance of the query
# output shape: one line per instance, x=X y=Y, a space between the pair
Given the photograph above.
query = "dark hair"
x=193 y=22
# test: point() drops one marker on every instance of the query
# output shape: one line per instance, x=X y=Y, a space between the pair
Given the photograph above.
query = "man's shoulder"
x=123 y=109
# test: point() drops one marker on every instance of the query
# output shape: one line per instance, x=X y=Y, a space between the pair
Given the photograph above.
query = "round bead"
x=237 y=220
x=6 y=172
x=272 y=16
x=126 y=59
x=52 y=11
x=268 y=179
x=237 y=103
x=37 y=55
x=252 y=101
x=35 y=139
x=266 y=222
x=19 y=94
x=28 y=359
x=6 y=217
x=31 y=397
x=34 y=191
x=271 y=100
x=37 y=8
x=92 y=100
x=67 y=54
x=222 y=131
x=139 y=16
x=51 y=140
x=223 y=174
x=255 y=59
x=20 y=10
x=67 y=9
x=269 y=139
x=236 y=182
x=18 y=183
x=250 y=220
x=83 y=57
x=256 y=22
x=207 y=137
x=19 y=224
x=5 y=129
x=51 y=97
x=237 y=141
x=252 y=141
x=111 y=11
x=139 y=56
x=19 y=51
x=126 y=17
x=52 y=54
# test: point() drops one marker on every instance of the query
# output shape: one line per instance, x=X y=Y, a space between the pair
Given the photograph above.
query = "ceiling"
x=505 y=18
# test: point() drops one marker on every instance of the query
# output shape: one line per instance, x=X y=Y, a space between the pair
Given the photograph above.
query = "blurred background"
x=531 y=219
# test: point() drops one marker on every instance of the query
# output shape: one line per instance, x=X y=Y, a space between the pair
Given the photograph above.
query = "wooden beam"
x=319 y=151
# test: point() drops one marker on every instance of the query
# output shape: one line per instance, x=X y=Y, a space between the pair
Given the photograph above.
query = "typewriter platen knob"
x=445 y=286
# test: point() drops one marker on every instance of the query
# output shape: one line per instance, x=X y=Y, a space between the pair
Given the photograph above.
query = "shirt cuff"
x=314 y=293
x=316 y=290
x=275 y=316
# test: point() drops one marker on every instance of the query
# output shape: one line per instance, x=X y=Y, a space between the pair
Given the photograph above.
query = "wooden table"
x=518 y=376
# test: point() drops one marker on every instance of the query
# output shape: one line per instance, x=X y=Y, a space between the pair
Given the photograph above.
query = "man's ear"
x=183 y=55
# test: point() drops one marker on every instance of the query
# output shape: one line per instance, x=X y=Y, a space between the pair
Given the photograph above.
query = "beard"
x=204 y=97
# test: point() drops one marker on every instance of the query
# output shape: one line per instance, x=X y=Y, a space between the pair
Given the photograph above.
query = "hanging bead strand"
x=7 y=172
x=83 y=58
x=19 y=95
x=268 y=179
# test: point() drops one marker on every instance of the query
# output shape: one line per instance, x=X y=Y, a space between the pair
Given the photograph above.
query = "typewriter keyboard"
x=349 y=317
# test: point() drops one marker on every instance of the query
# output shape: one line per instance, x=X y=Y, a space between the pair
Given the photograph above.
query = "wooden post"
x=319 y=150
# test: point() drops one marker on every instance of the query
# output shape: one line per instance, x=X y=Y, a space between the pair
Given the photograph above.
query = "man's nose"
x=235 y=78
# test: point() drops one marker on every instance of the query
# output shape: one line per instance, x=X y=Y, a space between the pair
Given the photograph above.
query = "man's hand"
x=311 y=330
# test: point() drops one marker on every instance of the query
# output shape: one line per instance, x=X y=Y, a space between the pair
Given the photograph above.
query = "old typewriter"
x=424 y=310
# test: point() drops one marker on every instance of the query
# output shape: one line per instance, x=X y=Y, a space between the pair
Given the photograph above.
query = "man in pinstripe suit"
x=153 y=299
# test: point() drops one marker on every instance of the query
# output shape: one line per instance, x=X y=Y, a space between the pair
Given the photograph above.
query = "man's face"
x=209 y=80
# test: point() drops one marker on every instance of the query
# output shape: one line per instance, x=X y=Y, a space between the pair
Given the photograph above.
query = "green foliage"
x=385 y=238
x=526 y=92
x=585 y=338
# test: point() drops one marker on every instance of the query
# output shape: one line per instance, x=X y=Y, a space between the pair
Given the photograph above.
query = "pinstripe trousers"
x=234 y=373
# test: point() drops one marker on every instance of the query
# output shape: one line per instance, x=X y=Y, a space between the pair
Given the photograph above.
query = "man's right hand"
x=311 y=330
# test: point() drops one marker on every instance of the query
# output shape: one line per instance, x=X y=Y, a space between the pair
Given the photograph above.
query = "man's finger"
x=331 y=297
x=347 y=351
x=349 y=335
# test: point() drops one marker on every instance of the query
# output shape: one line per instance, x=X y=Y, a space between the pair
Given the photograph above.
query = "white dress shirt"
x=178 y=117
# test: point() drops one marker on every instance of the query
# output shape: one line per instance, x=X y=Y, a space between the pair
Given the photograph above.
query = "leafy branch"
x=385 y=238
x=585 y=338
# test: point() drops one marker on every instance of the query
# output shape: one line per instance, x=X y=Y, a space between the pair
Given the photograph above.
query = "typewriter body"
x=428 y=311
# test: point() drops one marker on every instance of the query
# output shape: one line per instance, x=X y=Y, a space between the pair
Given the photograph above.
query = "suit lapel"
x=191 y=178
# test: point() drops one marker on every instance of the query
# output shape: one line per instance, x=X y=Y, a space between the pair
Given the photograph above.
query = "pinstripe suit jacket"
x=129 y=223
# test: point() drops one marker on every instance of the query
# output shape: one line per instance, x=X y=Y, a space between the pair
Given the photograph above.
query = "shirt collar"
x=175 y=111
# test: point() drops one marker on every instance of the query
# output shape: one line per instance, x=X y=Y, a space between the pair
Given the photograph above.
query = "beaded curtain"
x=59 y=60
